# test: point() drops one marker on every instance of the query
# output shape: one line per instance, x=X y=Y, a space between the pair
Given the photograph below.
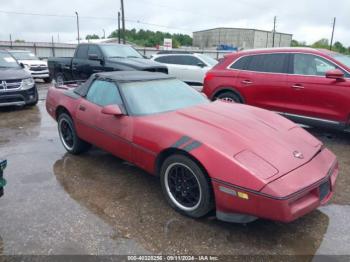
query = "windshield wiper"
x=116 y=57
x=131 y=56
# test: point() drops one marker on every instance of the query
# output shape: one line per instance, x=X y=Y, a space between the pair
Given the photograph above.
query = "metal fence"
x=45 y=49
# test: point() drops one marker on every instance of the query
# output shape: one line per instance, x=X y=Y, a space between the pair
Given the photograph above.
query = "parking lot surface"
x=56 y=203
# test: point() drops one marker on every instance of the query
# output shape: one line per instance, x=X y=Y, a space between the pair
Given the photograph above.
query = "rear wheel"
x=69 y=138
x=186 y=187
x=230 y=97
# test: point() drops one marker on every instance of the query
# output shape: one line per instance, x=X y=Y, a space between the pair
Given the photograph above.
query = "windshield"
x=207 y=59
x=120 y=51
x=158 y=96
x=24 y=55
x=7 y=61
x=344 y=59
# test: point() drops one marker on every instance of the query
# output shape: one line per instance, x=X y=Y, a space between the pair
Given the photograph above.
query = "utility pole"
x=123 y=20
x=119 y=27
x=274 y=31
x=330 y=47
x=78 y=26
x=11 y=41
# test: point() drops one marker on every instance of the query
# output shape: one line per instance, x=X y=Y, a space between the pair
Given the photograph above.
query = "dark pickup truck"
x=93 y=58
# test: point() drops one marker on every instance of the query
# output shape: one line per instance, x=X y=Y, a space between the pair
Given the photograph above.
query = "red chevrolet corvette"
x=239 y=160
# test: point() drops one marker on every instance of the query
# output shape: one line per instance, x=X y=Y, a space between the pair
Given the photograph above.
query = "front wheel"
x=69 y=138
x=229 y=97
x=59 y=78
x=36 y=100
x=185 y=186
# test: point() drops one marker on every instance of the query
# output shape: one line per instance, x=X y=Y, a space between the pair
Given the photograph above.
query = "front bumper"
x=285 y=199
x=18 y=97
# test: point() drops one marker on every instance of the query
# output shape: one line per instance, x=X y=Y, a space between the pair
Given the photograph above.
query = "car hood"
x=137 y=63
x=13 y=73
x=33 y=62
x=246 y=134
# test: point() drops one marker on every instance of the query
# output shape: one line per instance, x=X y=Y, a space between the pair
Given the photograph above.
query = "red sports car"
x=239 y=160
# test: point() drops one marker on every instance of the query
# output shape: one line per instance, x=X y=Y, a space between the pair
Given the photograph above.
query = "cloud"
x=307 y=20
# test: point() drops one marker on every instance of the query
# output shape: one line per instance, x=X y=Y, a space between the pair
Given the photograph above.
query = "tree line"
x=324 y=44
x=149 y=38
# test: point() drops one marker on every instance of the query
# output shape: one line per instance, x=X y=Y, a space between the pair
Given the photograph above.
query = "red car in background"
x=308 y=86
x=241 y=161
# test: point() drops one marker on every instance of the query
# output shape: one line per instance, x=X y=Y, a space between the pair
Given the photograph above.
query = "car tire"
x=36 y=98
x=190 y=195
x=59 y=79
x=68 y=136
x=230 y=97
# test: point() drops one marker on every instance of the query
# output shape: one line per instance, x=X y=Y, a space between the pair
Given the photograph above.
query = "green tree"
x=322 y=43
x=93 y=36
x=151 y=39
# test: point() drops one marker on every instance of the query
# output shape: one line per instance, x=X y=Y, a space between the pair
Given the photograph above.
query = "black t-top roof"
x=131 y=76
x=121 y=77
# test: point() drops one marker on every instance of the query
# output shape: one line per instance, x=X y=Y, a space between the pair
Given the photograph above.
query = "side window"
x=189 y=60
x=82 y=52
x=241 y=63
x=305 y=64
x=94 y=50
x=270 y=63
x=104 y=93
x=163 y=59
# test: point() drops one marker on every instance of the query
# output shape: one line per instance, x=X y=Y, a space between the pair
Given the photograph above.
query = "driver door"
x=108 y=132
x=313 y=93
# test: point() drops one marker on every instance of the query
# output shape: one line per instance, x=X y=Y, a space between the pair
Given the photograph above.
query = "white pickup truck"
x=32 y=64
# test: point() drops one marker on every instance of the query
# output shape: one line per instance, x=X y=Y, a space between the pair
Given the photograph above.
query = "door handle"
x=298 y=86
x=82 y=108
x=247 y=82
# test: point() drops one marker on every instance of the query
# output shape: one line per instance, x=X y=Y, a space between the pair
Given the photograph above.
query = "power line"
x=92 y=17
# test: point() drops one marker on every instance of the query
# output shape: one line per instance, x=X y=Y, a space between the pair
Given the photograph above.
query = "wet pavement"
x=56 y=203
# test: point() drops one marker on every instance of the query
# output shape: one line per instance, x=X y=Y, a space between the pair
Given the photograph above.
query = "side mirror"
x=94 y=57
x=335 y=74
x=22 y=65
x=200 y=64
x=112 y=110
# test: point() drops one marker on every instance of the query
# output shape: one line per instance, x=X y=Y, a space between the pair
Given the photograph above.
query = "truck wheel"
x=60 y=79
x=230 y=97
x=69 y=138
x=185 y=186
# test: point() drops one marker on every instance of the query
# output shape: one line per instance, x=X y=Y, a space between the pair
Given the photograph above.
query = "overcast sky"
x=307 y=20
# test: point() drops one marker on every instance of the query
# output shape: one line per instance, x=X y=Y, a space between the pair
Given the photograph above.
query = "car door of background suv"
x=263 y=83
x=315 y=95
x=108 y=132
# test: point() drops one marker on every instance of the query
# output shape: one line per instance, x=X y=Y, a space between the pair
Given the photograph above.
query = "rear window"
x=82 y=52
x=270 y=63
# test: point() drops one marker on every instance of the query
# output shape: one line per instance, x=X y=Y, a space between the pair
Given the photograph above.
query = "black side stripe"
x=183 y=140
x=191 y=146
